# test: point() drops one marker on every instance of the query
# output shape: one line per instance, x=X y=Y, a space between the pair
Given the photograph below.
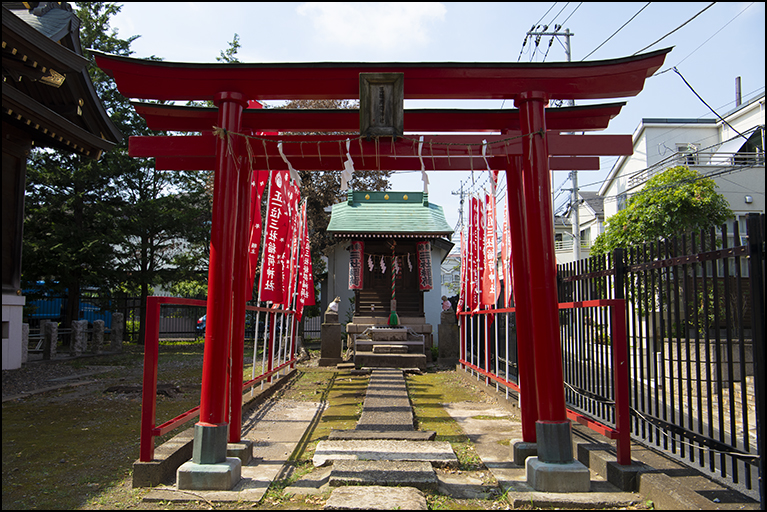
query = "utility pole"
x=575 y=219
x=460 y=208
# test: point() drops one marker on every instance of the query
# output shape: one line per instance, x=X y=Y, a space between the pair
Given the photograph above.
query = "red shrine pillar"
x=211 y=430
x=554 y=439
x=521 y=269
x=241 y=290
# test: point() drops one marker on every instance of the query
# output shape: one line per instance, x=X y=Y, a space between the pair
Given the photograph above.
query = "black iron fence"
x=695 y=311
x=177 y=322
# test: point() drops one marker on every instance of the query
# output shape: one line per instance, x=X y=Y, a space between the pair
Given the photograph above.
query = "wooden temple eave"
x=378 y=236
x=47 y=91
x=48 y=128
x=160 y=80
x=27 y=45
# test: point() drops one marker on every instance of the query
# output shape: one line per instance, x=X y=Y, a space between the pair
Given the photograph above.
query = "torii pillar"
x=210 y=468
x=554 y=469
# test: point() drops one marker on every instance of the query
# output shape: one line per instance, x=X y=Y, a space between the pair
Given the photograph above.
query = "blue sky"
x=725 y=41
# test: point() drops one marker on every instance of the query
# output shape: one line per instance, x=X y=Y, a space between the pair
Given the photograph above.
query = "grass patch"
x=427 y=393
x=344 y=395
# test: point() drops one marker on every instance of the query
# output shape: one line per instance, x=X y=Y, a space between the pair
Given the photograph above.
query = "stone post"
x=24 y=342
x=330 y=348
x=97 y=339
x=448 y=338
x=79 y=336
x=116 y=336
x=51 y=337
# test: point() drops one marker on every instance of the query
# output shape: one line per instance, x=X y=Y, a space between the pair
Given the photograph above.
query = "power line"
x=629 y=21
x=560 y=12
x=707 y=40
x=571 y=14
x=677 y=28
x=704 y=102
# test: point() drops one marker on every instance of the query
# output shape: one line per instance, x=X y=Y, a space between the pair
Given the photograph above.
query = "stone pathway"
x=384 y=449
x=275 y=429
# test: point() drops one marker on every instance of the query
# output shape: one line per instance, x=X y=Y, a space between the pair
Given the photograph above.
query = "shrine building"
x=49 y=101
x=376 y=233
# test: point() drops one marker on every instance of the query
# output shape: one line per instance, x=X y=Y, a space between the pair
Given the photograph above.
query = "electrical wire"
x=704 y=42
x=677 y=28
x=571 y=14
x=704 y=102
x=629 y=21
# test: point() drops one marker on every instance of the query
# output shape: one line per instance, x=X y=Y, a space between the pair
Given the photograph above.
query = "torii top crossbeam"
x=159 y=80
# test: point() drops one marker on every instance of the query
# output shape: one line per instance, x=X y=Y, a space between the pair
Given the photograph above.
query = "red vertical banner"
x=305 y=277
x=356 y=255
x=489 y=254
x=425 y=279
x=469 y=304
x=290 y=254
x=472 y=303
x=258 y=182
x=274 y=243
x=462 y=289
x=480 y=252
x=506 y=257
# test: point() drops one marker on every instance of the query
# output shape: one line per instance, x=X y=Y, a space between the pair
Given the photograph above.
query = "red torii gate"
x=527 y=149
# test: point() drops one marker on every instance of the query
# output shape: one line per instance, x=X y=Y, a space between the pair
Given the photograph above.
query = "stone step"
x=390 y=349
x=369 y=359
x=367 y=345
x=403 y=435
x=384 y=472
x=375 y=497
x=438 y=453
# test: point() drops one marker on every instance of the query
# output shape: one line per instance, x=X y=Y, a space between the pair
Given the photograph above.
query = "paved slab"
x=490 y=428
x=376 y=498
x=407 y=435
x=386 y=407
x=438 y=453
x=275 y=429
x=383 y=472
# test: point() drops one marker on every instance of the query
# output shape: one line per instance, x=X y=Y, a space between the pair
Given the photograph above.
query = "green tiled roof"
x=388 y=213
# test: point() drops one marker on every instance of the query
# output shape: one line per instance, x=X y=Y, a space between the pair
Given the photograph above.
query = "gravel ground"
x=34 y=375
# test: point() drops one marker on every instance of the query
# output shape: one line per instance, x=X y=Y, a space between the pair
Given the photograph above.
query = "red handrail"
x=622 y=431
x=148 y=430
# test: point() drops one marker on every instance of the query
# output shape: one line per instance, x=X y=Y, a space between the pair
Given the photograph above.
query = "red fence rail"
x=621 y=432
x=149 y=430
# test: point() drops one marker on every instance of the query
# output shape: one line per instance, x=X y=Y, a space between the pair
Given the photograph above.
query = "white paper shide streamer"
x=346 y=174
x=424 y=176
x=293 y=172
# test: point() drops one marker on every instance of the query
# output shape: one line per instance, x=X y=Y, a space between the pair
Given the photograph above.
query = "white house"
x=731 y=153
x=591 y=219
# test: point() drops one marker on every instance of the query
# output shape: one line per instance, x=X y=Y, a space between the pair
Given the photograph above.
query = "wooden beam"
x=313 y=163
x=161 y=80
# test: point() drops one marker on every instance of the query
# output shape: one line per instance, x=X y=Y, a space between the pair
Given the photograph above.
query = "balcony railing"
x=567 y=245
x=699 y=159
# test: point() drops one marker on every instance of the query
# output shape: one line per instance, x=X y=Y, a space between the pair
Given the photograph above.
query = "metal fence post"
x=755 y=230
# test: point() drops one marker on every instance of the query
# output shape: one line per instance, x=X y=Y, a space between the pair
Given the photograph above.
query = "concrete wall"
x=13 y=306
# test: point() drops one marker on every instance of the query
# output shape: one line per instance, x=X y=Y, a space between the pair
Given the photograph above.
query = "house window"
x=585 y=237
x=622 y=199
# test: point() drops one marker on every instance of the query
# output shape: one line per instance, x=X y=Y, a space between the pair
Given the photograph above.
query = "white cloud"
x=382 y=25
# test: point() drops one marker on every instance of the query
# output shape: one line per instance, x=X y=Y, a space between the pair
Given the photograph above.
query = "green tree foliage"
x=115 y=223
x=676 y=201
